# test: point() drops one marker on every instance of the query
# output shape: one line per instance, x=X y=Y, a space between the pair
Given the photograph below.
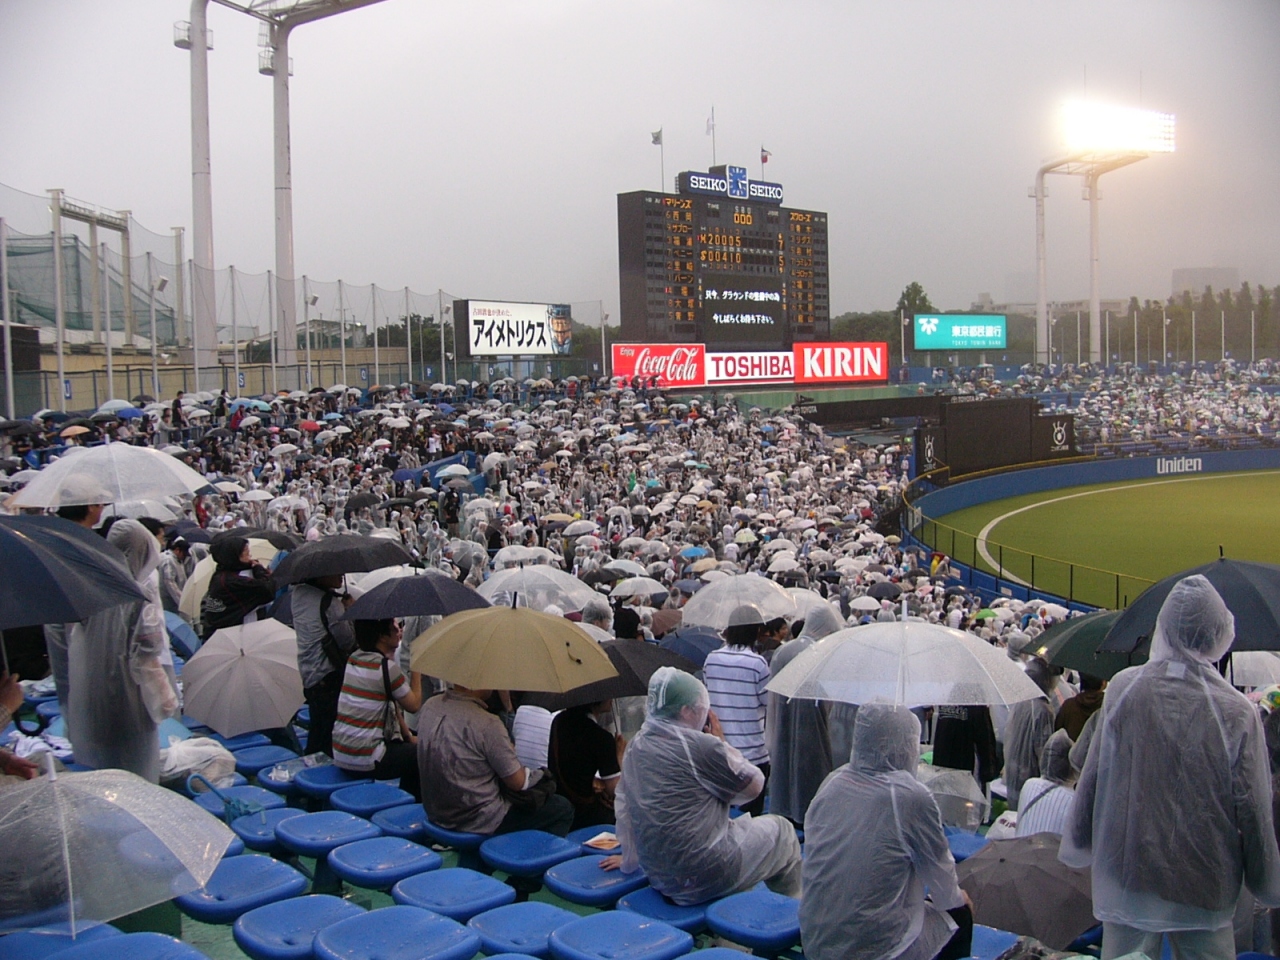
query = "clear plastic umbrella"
x=537 y=587
x=112 y=473
x=80 y=848
x=908 y=662
x=244 y=678
x=711 y=606
x=638 y=587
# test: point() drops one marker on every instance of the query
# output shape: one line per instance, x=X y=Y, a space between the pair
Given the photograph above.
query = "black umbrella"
x=885 y=591
x=103 y=418
x=457 y=483
x=428 y=594
x=1251 y=591
x=1074 y=643
x=344 y=553
x=20 y=428
x=360 y=501
x=54 y=571
x=396 y=503
x=635 y=662
x=221 y=433
x=277 y=538
x=142 y=398
x=191 y=532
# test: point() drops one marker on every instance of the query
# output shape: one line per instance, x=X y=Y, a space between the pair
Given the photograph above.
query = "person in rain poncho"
x=1047 y=798
x=1028 y=730
x=796 y=730
x=119 y=687
x=679 y=777
x=1173 y=808
x=874 y=842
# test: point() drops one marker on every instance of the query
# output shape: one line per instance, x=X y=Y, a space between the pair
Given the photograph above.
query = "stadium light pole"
x=279 y=18
x=1100 y=138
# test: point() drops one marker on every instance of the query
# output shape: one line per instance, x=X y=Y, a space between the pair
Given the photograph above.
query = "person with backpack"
x=324 y=643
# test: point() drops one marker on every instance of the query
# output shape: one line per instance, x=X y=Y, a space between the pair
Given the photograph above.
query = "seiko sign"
x=731 y=182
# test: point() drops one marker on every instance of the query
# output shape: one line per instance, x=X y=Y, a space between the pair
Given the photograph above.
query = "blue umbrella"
x=129 y=413
x=692 y=642
x=181 y=635
x=689 y=586
x=333 y=416
x=694 y=553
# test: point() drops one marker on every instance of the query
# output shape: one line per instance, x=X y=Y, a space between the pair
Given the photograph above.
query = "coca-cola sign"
x=674 y=364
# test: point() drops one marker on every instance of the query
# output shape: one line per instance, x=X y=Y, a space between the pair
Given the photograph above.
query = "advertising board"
x=960 y=331
x=500 y=328
x=692 y=365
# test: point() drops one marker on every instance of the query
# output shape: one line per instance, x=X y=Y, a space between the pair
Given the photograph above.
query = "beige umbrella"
x=703 y=565
x=244 y=678
x=198 y=583
x=505 y=648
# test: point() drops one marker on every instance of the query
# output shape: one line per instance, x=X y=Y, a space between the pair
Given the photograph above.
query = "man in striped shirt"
x=369 y=736
x=735 y=676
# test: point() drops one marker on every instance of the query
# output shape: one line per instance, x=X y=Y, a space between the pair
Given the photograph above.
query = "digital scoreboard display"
x=723 y=262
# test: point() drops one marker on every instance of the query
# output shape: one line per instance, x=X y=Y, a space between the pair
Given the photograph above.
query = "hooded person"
x=119 y=690
x=239 y=586
x=874 y=843
x=1028 y=730
x=1045 y=799
x=679 y=778
x=796 y=730
x=1173 y=809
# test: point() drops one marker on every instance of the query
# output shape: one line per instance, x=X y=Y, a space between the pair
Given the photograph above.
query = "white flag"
x=657 y=137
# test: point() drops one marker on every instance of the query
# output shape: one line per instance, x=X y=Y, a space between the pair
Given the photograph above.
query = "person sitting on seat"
x=1046 y=799
x=874 y=844
x=679 y=778
x=466 y=759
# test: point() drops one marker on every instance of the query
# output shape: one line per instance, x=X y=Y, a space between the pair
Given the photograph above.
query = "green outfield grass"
x=1103 y=544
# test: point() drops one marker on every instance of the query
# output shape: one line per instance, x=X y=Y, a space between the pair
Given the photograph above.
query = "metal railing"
x=1074 y=582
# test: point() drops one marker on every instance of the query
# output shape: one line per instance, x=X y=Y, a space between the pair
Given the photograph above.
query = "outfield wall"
x=972 y=493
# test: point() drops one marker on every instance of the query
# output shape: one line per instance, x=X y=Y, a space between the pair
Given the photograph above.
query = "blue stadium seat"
x=132 y=946
x=315 y=834
x=989 y=943
x=765 y=922
x=648 y=902
x=527 y=853
x=239 y=885
x=45 y=941
x=397 y=933
x=319 y=782
x=407 y=821
x=455 y=892
x=619 y=935
x=583 y=882
x=520 y=928
x=243 y=741
x=287 y=929
x=250 y=761
x=379 y=863
x=366 y=799
x=258 y=830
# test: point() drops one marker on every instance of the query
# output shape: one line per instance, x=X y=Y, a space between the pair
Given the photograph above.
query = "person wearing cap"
x=1173 y=809
x=736 y=677
x=679 y=778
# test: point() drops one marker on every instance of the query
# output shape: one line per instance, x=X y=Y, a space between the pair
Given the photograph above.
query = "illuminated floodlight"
x=1099 y=128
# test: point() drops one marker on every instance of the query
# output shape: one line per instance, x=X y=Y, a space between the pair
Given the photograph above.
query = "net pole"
x=5 y=315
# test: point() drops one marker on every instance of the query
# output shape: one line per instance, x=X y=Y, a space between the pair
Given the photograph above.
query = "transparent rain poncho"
x=672 y=804
x=1028 y=730
x=1173 y=809
x=94 y=846
x=796 y=730
x=873 y=843
x=118 y=689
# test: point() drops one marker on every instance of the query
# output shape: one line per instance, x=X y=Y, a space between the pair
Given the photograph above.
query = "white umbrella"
x=711 y=606
x=154 y=509
x=1254 y=668
x=244 y=678
x=111 y=473
x=227 y=486
x=94 y=846
x=580 y=527
x=783 y=564
x=626 y=567
x=864 y=603
x=907 y=662
x=775 y=545
x=454 y=470
x=252 y=495
x=284 y=450
x=638 y=587
x=515 y=553
x=537 y=587
x=246 y=422
x=807 y=601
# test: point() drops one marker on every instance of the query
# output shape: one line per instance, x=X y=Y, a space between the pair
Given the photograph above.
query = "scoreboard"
x=721 y=262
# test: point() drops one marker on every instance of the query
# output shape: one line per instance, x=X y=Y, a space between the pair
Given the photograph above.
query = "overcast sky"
x=478 y=145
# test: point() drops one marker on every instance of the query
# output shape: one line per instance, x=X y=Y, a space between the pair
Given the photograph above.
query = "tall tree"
x=913 y=300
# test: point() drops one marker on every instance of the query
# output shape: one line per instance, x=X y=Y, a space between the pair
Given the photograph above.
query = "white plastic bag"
x=200 y=755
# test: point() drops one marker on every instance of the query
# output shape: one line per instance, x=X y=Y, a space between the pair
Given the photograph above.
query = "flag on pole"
x=711 y=124
x=765 y=155
x=657 y=137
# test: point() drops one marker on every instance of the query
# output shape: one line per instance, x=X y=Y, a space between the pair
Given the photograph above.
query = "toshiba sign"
x=690 y=365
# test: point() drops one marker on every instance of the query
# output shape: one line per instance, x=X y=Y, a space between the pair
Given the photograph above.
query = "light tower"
x=278 y=18
x=1099 y=139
